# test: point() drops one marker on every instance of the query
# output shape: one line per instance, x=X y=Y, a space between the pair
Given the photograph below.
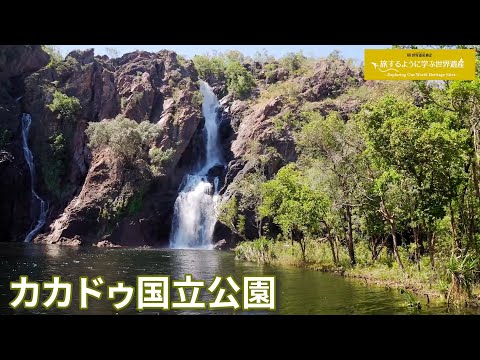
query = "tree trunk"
x=336 y=242
x=303 y=245
x=351 y=251
x=475 y=177
x=393 y=229
x=431 y=249
x=416 y=236
x=457 y=242
x=332 y=247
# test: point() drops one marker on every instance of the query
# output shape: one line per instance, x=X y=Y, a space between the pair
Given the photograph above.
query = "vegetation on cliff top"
x=228 y=67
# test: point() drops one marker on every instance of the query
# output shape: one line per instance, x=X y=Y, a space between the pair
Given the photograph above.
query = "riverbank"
x=426 y=285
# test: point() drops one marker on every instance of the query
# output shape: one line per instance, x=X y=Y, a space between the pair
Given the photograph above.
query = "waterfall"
x=194 y=215
x=42 y=218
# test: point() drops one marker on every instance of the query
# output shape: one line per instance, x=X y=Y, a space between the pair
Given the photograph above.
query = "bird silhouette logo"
x=375 y=65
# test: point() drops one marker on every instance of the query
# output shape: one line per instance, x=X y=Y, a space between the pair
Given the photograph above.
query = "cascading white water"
x=194 y=213
x=209 y=110
x=42 y=217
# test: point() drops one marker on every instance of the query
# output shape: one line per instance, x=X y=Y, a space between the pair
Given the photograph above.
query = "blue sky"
x=349 y=51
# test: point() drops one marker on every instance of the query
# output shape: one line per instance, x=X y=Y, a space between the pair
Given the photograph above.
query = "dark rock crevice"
x=16 y=62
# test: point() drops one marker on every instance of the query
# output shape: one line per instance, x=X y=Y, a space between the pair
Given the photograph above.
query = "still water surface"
x=300 y=291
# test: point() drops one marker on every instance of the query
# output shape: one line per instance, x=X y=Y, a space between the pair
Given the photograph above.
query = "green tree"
x=293 y=206
x=414 y=149
x=112 y=52
x=209 y=66
x=293 y=61
x=240 y=81
x=331 y=151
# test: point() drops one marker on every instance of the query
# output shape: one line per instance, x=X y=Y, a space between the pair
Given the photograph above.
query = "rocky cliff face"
x=99 y=198
x=16 y=62
x=259 y=127
x=143 y=87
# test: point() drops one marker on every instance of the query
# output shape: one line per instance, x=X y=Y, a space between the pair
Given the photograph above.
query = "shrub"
x=197 y=98
x=293 y=61
x=289 y=90
x=55 y=55
x=160 y=158
x=126 y=138
x=67 y=107
x=270 y=69
x=258 y=250
x=209 y=66
x=462 y=272
x=114 y=210
x=240 y=81
x=229 y=66
x=136 y=98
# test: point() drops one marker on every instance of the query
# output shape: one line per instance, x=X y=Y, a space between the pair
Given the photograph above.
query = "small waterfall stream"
x=194 y=214
x=36 y=200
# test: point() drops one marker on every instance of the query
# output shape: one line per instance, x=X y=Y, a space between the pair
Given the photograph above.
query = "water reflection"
x=300 y=291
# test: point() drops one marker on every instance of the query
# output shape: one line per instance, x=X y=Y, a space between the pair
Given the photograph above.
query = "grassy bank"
x=427 y=284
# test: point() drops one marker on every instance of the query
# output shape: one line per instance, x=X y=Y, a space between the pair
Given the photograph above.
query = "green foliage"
x=126 y=138
x=114 y=210
x=136 y=98
x=288 y=120
x=396 y=187
x=263 y=56
x=248 y=191
x=54 y=164
x=258 y=250
x=407 y=142
x=135 y=204
x=410 y=300
x=229 y=66
x=67 y=107
x=160 y=158
x=270 y=69
x=293 y=205
x=294 y=62
x=462 y=271
x=209 y=66
x=63 y=67
x=229 y=216
x=55 y=55
x=288 y=90
x=197 y=99
x=240 y=81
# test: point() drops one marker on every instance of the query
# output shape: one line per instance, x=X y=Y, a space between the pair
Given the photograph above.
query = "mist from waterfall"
x=195 y=208
x=36 y=200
